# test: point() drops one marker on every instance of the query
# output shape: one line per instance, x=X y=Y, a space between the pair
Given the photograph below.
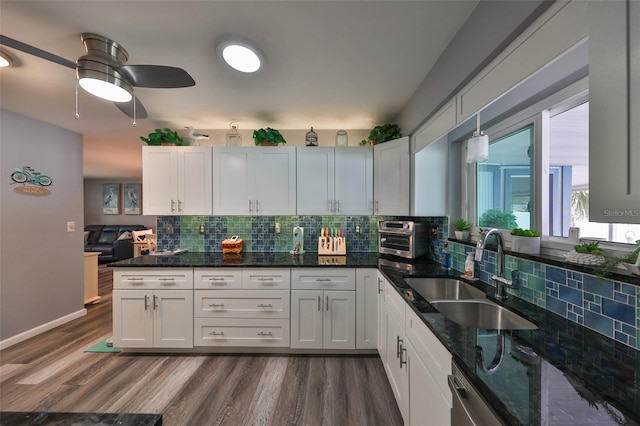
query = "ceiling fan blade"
x=32 y=50
x=127 y=108
x=156 y=76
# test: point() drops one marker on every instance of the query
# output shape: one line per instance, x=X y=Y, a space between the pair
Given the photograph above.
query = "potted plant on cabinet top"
x=525 y=241
x=268 y=137
x=382 y=133
x=461 y=228
x=164 y=136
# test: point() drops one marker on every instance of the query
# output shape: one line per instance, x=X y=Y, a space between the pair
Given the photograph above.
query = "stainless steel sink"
x=482 y=314
x=444 y=289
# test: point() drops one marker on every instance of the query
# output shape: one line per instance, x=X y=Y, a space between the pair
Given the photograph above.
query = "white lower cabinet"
x=153 y=308
x=382 y=318
x=367 y=286
x=323 y=303
x=243 y=307
x=395 y=363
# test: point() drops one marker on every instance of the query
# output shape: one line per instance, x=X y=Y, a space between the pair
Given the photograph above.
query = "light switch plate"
x=71 y=226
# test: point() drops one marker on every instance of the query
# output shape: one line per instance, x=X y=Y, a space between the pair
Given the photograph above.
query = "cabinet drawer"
x=433 y=353
x=241 y=332
x=218 y=278
x=266 y=278
x=242 y=303
x=323 y=279
x=147 y=278
x=395 y=303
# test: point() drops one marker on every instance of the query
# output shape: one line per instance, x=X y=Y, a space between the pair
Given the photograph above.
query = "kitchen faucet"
x=498 y=278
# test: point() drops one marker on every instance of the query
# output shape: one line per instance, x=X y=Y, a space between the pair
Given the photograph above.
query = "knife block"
x=332 y=246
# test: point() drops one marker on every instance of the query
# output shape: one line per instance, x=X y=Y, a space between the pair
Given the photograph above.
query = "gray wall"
x=41 y=264
x=490 y=28
x=93 y=206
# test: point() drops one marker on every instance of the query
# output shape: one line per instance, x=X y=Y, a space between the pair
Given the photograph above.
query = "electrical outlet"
x=434 y=232
x=168 y=228
x=71 y=226
x=357 y=229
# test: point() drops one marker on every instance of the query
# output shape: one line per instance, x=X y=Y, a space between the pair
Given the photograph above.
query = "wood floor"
x=51 y=372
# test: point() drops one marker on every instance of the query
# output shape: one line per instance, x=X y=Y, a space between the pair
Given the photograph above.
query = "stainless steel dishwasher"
x=468 y=408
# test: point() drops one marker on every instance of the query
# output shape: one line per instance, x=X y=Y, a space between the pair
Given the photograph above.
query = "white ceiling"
x=330 y=64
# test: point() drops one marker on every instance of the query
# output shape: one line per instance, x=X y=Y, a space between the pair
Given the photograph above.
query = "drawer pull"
x=323 y=280
x=216 y=279
x=265 y=279
x=146 y=302
x=262 y=333
x=135 y=279
x=265 y=305
x=215 y=333
x=166 y=279
x=217 y=305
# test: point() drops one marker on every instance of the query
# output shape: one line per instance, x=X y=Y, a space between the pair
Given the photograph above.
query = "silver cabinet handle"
x=179 y=206
x=173 y=206
x=379 y=289
x=166 y=279
x=216 y=279
x=327 y=308
x=319 y=309
x=155 y=302
x=250 y=206
x=338 y=205
x=265 y=305
x=215 y=333
x=257 y=206
x=135 y=279
x=402 y=350
x=217 y=305
x=262 y=333
x=323 y=280
x=146 y=302
x=377 y=207
x=398 y=346
x=265 y=279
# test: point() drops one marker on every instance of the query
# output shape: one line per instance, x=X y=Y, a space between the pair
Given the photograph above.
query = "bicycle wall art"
x=30 y=182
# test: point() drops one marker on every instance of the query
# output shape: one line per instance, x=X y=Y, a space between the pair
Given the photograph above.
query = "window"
x=511 y=191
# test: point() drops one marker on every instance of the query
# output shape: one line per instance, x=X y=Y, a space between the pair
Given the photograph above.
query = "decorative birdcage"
x=311 y=138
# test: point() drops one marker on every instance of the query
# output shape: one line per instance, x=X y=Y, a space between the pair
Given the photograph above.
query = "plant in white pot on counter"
x=461 y=229
x=525 y=241
x=586 y=254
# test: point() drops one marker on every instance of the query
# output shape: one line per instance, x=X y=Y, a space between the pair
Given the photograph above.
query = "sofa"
x=114 y=242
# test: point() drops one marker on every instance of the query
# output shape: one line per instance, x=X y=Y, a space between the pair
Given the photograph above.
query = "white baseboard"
x=41 y=329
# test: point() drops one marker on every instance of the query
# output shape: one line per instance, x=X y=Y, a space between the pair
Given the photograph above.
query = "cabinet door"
x=366 y=308
x=353 y=181
x=395 y=364
x=391 y=177
x=195 y=180
x=306 y=319
x=160 y=180
x=427 y=404
x=382 y=320
x=315 y=176
x=233 y=177
x=275 y=180
x=614 y=129
x=132 y=318
x=173 y=318
x=339 y=320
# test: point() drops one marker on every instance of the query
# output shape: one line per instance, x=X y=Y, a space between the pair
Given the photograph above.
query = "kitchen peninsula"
x=559 y=372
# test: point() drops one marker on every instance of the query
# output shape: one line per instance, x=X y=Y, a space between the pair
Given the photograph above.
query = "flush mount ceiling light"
x=240 y=55
x=478 y=145
x=5 y=59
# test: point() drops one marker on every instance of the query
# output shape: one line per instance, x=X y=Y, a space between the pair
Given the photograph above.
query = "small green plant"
x=589 y=248
x=461 y=225
x=496 y=218
x=519 y=232
x=382 y=133
x=164 y=136
x=269 y=135
x=611 y=263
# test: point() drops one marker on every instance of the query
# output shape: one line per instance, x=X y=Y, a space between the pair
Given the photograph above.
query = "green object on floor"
x=101 y=346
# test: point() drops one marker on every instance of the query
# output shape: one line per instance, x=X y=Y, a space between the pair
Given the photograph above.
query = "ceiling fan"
x=103 y=72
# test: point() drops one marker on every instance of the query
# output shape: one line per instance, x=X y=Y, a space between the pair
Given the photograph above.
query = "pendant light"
x=478 y=145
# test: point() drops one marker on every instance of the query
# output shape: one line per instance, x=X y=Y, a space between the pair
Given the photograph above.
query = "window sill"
x=558 y=260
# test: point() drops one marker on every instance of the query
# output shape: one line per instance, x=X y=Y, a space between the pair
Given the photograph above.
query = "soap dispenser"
x=469 y=264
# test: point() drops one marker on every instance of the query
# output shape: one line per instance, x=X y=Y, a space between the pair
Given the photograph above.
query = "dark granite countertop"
x=560 y=373
x=15 y=418
x=252 y=259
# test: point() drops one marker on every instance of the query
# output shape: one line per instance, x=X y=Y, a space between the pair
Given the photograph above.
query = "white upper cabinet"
x=391 y=176
x=176 y=180
x=336 y=181
x=614 y=108
x=254 y=180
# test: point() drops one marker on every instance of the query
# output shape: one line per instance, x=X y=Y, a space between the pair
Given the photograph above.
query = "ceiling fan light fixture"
x=102 y=80
x=105 y=90
x=240 y=56
x=5 y=60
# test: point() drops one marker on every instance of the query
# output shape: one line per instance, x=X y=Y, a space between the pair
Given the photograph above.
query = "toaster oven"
x=402 y=238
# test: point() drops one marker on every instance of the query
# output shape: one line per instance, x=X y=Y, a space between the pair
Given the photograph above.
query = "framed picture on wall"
x=110 y=198
x=132 y=196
